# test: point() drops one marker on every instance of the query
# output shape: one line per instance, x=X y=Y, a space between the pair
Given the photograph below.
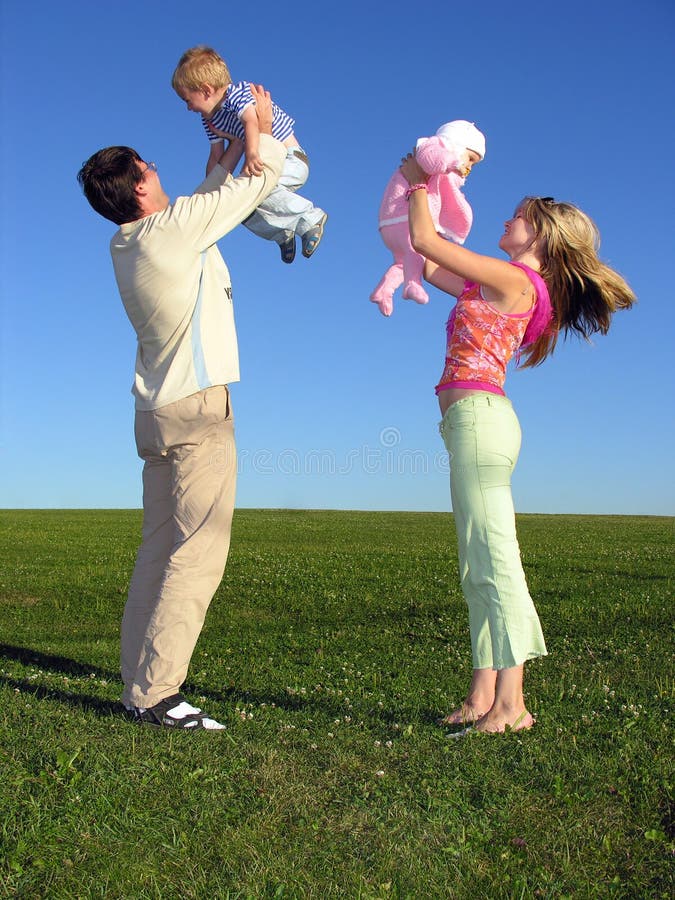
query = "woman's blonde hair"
x=584 y=291
x=198 y=66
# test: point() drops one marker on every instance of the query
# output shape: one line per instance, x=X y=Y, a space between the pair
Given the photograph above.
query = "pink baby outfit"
x=450 y=212
x=482 y=340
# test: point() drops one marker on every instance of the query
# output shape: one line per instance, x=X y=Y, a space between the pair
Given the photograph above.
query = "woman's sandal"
x=176 y=712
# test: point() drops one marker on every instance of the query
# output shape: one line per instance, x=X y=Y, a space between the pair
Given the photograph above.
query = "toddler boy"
x=202 y=79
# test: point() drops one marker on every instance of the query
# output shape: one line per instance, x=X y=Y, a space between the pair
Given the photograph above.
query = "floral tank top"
x=481 y=340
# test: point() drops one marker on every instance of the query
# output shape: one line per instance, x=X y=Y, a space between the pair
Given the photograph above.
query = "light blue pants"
x=284 y=212
x=482 y=436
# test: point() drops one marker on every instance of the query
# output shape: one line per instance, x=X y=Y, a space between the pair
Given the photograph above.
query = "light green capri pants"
x=482 y=435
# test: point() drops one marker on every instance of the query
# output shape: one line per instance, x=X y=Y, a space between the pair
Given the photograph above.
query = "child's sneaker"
x=312 y=238
x=288 y=248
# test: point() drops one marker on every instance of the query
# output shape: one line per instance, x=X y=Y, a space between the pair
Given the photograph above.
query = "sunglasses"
x=149 y=167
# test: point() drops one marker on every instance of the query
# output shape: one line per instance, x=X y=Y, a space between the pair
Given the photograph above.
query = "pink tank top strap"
x=542 y=314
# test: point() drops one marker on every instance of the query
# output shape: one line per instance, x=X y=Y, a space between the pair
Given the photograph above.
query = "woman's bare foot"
x=479 y=699
x=465 y=715
x=497 y=723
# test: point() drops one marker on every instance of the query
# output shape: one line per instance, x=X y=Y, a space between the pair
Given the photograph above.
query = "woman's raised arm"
x=506 y=281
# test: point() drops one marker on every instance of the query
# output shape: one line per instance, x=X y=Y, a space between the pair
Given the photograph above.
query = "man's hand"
x=221 y=134
x=263 y=108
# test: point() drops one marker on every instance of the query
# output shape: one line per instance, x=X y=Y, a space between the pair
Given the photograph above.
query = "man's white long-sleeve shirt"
x=176 y=287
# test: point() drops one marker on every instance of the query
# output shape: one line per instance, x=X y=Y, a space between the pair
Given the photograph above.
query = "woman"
x=553 y=282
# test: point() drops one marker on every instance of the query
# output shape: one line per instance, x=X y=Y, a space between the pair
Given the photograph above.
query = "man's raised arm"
x=221 y=202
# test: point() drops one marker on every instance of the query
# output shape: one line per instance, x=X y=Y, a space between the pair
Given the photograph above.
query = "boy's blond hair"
x=198 y=66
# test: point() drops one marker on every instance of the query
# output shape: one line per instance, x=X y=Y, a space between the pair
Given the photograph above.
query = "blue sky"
x=336 y=407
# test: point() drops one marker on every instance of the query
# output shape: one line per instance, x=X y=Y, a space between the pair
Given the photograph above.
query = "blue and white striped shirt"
x=228 y=118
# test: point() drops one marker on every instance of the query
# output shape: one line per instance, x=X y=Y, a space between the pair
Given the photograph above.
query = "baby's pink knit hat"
x=461 y=133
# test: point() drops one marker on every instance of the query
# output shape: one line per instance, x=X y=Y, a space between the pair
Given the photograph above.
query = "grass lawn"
x=333 y=644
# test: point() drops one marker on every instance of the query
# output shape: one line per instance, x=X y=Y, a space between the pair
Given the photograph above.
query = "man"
x=176 y=290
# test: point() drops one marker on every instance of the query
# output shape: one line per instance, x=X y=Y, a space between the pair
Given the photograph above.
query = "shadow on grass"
x=62 y=665
x=87 y=702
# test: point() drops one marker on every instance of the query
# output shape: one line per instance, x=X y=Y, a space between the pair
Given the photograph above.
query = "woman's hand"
x=263 y=108
x=412 y=171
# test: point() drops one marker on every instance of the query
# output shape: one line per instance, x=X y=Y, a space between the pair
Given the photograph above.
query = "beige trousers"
x=189 y=480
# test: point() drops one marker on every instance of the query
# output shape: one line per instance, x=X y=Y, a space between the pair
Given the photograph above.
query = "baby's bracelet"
x=413 y=188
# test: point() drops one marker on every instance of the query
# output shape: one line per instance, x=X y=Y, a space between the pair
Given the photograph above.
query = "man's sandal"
x=176 y=712
x=312 y=238
x=288 y=248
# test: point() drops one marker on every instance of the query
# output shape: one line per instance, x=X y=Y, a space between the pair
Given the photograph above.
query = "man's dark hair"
x=108 y=179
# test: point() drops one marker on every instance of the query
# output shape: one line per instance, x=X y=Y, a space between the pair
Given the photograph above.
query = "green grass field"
x=334 y=642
